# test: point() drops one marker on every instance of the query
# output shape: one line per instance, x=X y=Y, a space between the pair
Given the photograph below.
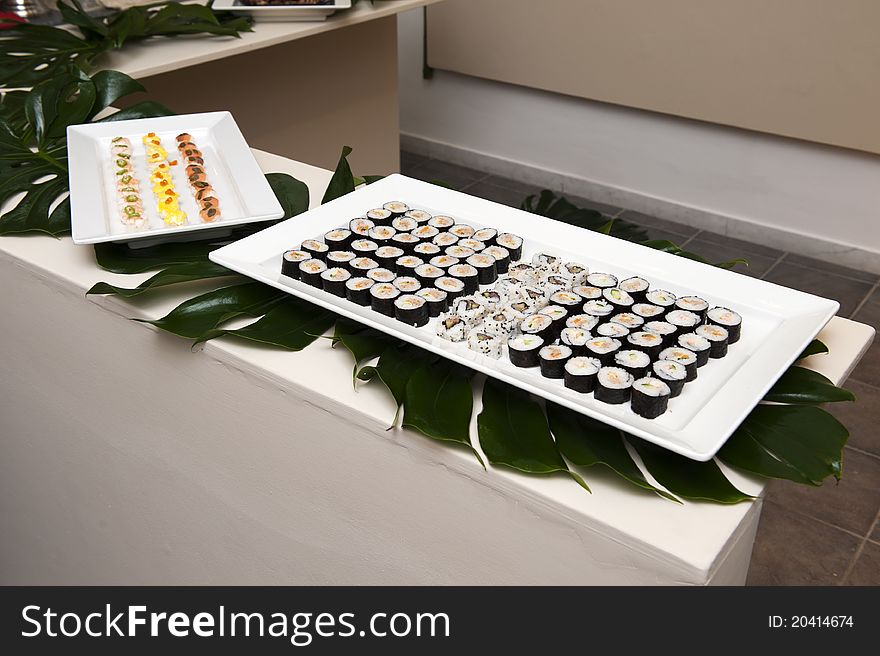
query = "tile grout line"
x=473 y=182
x=811 y=518
x=773 y=266
x=852 y=564
x=863 y=452
x=691 y=238
x=864 y=301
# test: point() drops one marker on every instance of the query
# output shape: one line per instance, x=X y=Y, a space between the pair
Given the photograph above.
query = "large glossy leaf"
x=804 y=386
x=813 y=348
x=292 y=325
x=689 y=479
x=556 y=207
x=361 y=342
x=396 y=366
x=195 y=317
x=32 y=212
x=171 y=275
x=120 y=258
x=805 y=439
x=514 y=432
x=587 y=442
x=293 y=194
x=145 y=109
x=110 y=86
x=668 y=247
x=342 y=181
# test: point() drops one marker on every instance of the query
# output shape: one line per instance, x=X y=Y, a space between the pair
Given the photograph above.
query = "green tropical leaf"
x=514 y=432
x=813 y=348
x=361 y=342
x=561 y=209
x=801 y=386
x=172 y=275
x=396 y=366
x=587 y=442
x=293 y=194
x=342 y=181
x=110 y=86
x=745 y=452
x=145 y=109
x=668 y=247
x=32 y=212
x=120 y=258
x=689 y=479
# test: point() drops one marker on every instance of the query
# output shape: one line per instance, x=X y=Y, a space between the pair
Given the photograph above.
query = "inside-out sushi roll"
x=442 y=222
x=407 y=284
x=613 y=385
x=650 y=397
x=310 y=272
x=425 y=249
x=387 y=256
x=635 y=362
x=552 y=360
x=482 y=342
x=291 y=260
x=602 y=348
x=333 y=281
x=534 y=296
x=601 y=280
x=672 y=373
x=467 y=274
x=452 y=327
x=523 y=350
x=381 y=274
x=587 y=292
x=628 y=320
x=556 y=282
x=489 y=299
x=643 y=340
x=666 y=330
x=718 y=338
x=357 y=290
x=583 y=321
x=575 y=272
x=512 y=243
x=468 y=309
x=636 y=287
x=611 y=329
x=520 y=309
x=502 y=258
x=683 y=356
x=382 y=296
x=728 y=319
x=499 y=322
x=452 y=286
x=317 y=249
x=487 y=273
x=693 y=304
x=546 y=262
x=437 y=300
x=339 y=239
x=462 y=230
x=684 y=321
x=411 y=310
x=699 y=345
x=396 y=207
x=575 y=338
x=380 y=216
x=340 y=259
x=660 y=297
x=648 y=311
x=581 y=373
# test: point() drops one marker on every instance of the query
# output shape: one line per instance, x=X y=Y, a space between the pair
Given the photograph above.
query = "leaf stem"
x=54 y=162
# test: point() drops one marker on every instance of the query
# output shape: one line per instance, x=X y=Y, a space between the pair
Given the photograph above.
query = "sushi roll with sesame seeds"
x=613 y=385
x=499 y=322
x=468 y=309
x=581 y=374
x=546 y=262
x=490 y=299
x=650 y=397
x=575 y=272
x=482 y=342
x=452 y=327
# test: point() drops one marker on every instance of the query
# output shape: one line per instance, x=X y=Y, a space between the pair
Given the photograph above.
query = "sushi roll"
x=502 y=258
x=672 y=373
x=546 y=262
x=442 y=222
x=404 y=224
x=380 y=216
x=499 y=322
x=650 y=397
x=452 y=286
x=534 y=296
x=660 y=297
x=360 y=266
x=575 y=272
x=633 y=361
x=629 y=320
x=183 y=137
x=411 y=310
x=426 y=250
x=650 y=343
x=602 y=348
x=558 y=315
x=636 y=287
x=361 y=226
x=581 y=374
x=575 y=339
x=485 y=266
x=291 y=260
x=310 y=272
x=664 y=329
x=648 y=311
x=428 y=273
x=381 y=274
x=407 y=284
x=473 y=244
x=407 y=265
x=460 y=252
x=613 y=385
x=683 y=356
x=569 y=300
x=728 y=319
x=684 y=321
x=340 y=259
x=425 y=233
x=599 y=308
x=333 y=281
x=468 y=309
x=512 y=243
x=452 y=327
x=482 y=342
x=523 y=350
x=405 y=241
x=718 y=338
x=462 y=230
x=618 y=298
x=387 y=256
x=382 y=297
x=587 y=292
x=444 y=261
x=557 y=283
x=382 y=234
x=421 y=216
x=364 y=247
x=445 y=240
x=602 y=280
x=437 y=300
x=582 y=321
x=611 y=329
x=539 y=325
x=467 y=274
x=357 y=290
x=693 y=304
x=339 y=239
x=396 y=208
x=511 y=288
x=521 y=272
x=552 y=360
x=489 y=299
x=520 y=309
x=699 y=345
x=315 y=248
x=209 y=214
x=486 y=235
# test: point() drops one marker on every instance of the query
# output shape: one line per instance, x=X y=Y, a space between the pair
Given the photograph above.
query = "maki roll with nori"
x=588 y=292
x=386 y=256
x=699 y=345
x=683 y=356
x=482 y=342
x=672 y=373
x=635 y=362
x=310 y=272
x=340 y=259
x=728 y=319
x=602 y=280
x=405 y=241
x=360 y=226
x=404 y=224
x=650 y=397
x=693 y=304
x=581 y=373
x=291 y=260
x=664 y=329
x=442 y=222
x=396 y=207
x=643 y=340
x=406 y=265
x=425 y=233
x=421 y=216
x=360 y=266
x=557 y=314
x=523 y=350
x=718 y=338
x=568 y=300
x=411 y=310
x=618 y=298
x=380 y=274
x=582 y=321
x=660 y=297
x=467 y=274
x=636 y=287
x=539 y=325
x=602 y=348
x=357 y=290
x=363 y=247
x=684 y=321
x=437 y=300
x=444 y=261
x=426 y=250
x=611 y=329
x=502 y=258
x=382 y=297
x=512 y=243
x=648 y=311
x=382 y=234
x=407 y=284
x=462 y=230
x=628 y=320
x=317 y=249
x=380 y=216
x=333 y=281
x=599 y=308
x=485 y=266
x=473 y=244
x=575 y=338
x=552 y=359
x=444 y=240
x=613 y=385
x=452 y=327
x=339 y=239
x=428 y=274
x=486 y=235
x=452 y=286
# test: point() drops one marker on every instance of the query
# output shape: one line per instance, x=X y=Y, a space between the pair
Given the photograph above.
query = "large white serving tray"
x=278 y=13
x=240 y=185
x=777 y=322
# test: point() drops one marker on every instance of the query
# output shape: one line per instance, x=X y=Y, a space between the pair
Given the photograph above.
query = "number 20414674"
x=810 y=621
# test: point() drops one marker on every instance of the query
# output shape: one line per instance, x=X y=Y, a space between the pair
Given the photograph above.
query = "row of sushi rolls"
x=621 y=340
x=165 y=196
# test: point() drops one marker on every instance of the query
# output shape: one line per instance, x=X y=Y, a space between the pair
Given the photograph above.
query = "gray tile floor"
x=807 y=536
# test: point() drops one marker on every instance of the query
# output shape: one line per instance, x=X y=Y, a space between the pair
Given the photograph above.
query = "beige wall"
x=800 y=68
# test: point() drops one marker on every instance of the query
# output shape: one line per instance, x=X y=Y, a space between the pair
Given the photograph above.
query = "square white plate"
x=282 y=12
x=778 y=322
x=241 y=187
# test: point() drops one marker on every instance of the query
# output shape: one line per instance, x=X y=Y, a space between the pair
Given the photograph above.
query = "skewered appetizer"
x=128 y=191
x=167 y=203
x=209 y=206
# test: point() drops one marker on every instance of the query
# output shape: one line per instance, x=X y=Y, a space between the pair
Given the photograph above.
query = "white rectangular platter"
x=778 y=322
x=241 y=187
x=281 y=13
